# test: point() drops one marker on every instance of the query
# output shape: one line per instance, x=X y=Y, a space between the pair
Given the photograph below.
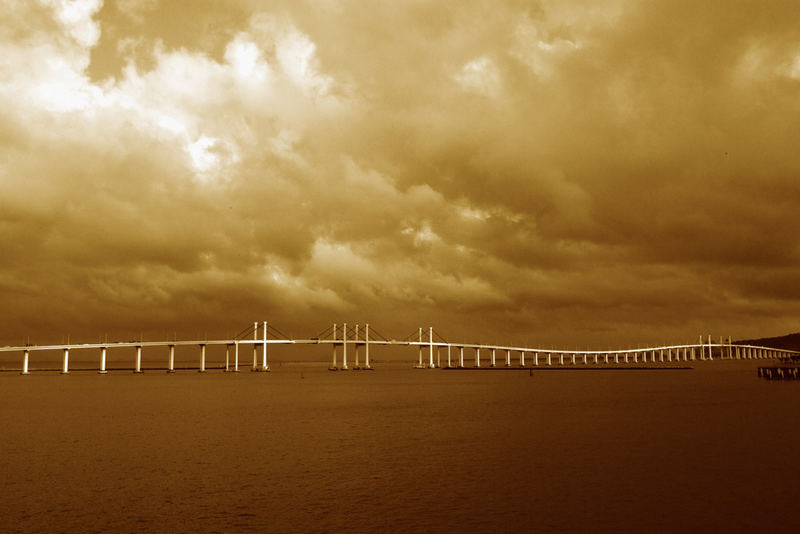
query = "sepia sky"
x=578 y=173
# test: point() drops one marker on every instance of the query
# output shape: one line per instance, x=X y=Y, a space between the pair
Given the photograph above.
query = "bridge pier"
x=438 y=356
x=171 y=366
x=573 y=358
x=202 y=359
x=493 y=359
x=255 y=347
x=333 y=365
x=366 y=348
x=102 y=370
x=344 y=347
x=508 y=358
x=138 y=368
x=236 y=357
x=65 y=367
x=25 y=357
x=357 y=365
x=448 y=356
x=549 y=358
x=430 y=348
x=522 y=358
x=461 y=357
x=264 y=362
x=227 y=359
x=477 y=357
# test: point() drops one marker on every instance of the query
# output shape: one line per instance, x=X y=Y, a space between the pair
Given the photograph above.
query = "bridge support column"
x=420 y=366
x=344 y=347
x=102 y=370
x=522 y=358
x=616 y=357
x=65 y=367
x=596 y=356
x=366 y=348
x=561 y=359
x=236 y=357
x=430 y=348
x=461 y=357
x=508 y=358
x=357 y=366
x=227 y=359
x=439 y=356
x=493 y=359
x=635 y=357
x=255 y=346
x=333 y=365
x=25 y=357
x=448 y=356
x=549 y=358
x=710 y=349
x=477 y=357
x=605 y=356
x=138 y=367
x=264 y=362
x=171 y=367
x=573 y=358
x=202 y=359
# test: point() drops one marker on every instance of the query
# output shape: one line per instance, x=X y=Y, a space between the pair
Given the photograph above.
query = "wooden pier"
x=780 y=372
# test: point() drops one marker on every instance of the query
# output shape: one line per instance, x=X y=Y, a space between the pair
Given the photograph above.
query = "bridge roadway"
x=536 y=356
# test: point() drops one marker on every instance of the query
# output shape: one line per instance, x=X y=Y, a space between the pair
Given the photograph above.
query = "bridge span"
x=430 y=351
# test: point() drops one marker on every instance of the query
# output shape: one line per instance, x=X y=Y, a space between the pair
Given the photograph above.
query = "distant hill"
x=789 y=342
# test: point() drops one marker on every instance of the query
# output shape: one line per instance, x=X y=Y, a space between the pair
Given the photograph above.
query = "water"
x=401 y=450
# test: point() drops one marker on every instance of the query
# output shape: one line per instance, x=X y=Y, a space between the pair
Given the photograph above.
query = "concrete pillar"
x=138 y=368
x=171 y=367
x=595 y=358
x=692 y=354
x=508 y=358
x=477 y=357
x=333 y=365
x=561 y=359
x=25 y=357
x=102 y=370
x=448 y=356
x=65 y=368
x=255 y=346
x=366 y=347
x=430 y=348
x=616 y=357
x=357 y=366
x=549 y=358
x=522 y=358
x=461 y=356
x=669 y=354
x=493 y=358
x=344 y=347
x=626 y=357
x=439 y=356
x=202 y=359
x=585 y=360
x=420 y=348
x=573 y=358
x=227 y=358
x=710 y=350
x=730 y=349
x=236 y=357
x=606 y=357
x=264 y=362
x=635 y=357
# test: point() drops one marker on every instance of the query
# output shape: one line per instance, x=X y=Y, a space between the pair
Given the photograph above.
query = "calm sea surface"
x=301 y=449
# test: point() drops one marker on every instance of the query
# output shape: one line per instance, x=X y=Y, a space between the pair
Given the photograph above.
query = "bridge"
x=430 y=347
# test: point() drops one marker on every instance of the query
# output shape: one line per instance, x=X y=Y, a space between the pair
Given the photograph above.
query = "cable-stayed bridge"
x=433 y=351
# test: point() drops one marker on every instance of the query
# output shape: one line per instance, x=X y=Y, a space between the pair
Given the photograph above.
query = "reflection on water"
x=401 y=450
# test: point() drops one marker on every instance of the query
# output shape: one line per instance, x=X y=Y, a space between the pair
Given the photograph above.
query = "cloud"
x=562 y=172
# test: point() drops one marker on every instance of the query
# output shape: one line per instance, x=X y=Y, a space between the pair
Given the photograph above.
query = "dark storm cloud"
x=552 y=172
